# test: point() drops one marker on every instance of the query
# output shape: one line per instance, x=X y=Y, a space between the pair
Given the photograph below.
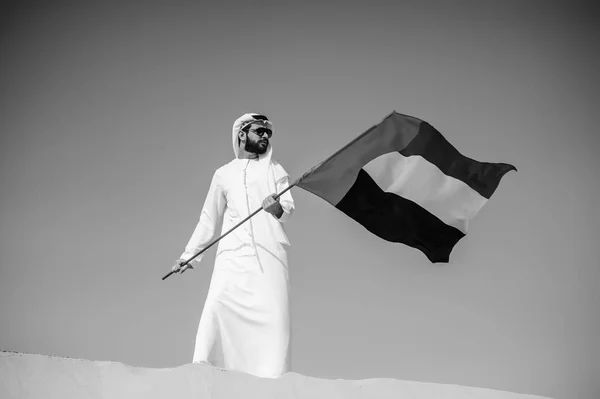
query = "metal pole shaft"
x=213 y=242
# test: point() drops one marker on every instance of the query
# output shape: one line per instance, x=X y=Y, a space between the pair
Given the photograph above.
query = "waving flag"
x=403 y=181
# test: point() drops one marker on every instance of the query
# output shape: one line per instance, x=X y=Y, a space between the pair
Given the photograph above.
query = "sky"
x=113 y=118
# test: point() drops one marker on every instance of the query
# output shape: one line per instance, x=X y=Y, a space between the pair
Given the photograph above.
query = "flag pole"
x=213 y=242
x=307 y=173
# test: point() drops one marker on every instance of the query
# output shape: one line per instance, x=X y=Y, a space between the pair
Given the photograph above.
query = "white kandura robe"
x=245 y=323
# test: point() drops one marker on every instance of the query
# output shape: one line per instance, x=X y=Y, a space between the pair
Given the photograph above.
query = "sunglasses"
x=261 y=131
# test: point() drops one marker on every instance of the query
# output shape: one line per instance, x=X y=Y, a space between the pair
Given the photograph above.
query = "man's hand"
x=179 y=268
x=272 y=205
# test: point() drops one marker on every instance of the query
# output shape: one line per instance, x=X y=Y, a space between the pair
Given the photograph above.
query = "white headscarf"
x=263 y=159
x=271 y=169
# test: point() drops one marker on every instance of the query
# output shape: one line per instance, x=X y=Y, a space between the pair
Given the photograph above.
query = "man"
x=245 y=324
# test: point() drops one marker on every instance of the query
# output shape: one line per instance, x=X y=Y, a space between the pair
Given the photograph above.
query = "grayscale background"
x=114 y=116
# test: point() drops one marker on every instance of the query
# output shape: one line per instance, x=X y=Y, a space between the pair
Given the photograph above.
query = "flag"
x=404 y=182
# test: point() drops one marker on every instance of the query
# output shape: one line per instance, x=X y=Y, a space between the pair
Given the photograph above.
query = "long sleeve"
x=211 y=215
x=286 y=200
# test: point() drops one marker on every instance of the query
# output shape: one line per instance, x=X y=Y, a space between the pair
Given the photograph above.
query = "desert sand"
x=39 y=376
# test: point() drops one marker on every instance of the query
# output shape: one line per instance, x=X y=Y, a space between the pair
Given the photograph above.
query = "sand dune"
x=48 y=377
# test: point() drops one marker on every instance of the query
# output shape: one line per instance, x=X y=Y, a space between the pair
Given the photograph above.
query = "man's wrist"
x=279 y=212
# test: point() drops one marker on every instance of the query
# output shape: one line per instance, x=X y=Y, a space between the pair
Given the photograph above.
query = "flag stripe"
x=410 y=136
x=483 y=177
x=414 y=178
x=397 y=219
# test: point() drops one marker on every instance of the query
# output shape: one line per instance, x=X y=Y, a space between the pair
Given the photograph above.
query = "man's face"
x=257 y=138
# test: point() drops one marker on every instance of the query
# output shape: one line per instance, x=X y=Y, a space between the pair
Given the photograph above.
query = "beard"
x=256 y=147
